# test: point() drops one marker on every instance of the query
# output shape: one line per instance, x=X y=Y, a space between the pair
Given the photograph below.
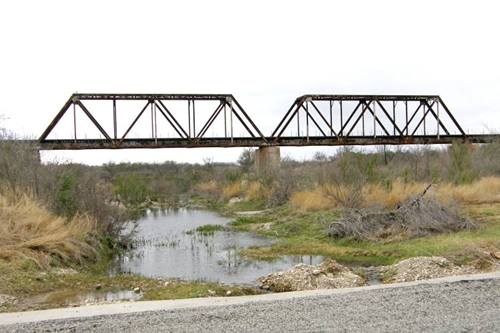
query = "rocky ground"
x=327 y=275
x=331 y=275
x=461 y=306
x=6 y=299
x=421 y=268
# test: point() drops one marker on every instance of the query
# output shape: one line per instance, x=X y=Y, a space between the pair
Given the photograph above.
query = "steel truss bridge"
x=311 y=120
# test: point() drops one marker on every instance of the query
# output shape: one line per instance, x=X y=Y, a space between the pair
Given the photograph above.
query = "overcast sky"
x=266 y=53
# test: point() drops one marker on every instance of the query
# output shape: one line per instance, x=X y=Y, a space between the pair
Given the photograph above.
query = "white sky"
x=266 y=53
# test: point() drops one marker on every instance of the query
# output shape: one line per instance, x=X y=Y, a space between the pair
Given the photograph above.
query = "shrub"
x=246 y=159
x=460 y=164
x=132 y=189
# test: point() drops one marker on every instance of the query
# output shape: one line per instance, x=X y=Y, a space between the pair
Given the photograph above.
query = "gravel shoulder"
x=443 y=305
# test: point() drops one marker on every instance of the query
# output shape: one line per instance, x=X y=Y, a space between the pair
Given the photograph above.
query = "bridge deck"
x=259 y=142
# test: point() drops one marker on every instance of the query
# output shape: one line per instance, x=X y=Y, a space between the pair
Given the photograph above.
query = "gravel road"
x=446 y=307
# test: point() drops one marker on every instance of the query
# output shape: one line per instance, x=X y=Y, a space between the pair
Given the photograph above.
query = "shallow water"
x=61 y=298
x=162 y=248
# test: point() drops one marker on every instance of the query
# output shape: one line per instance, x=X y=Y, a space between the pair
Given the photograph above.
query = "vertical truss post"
x=225 y=120
x=341 y=119
x=298 y=122
x=363 y=118
x=115 y=129
x=331 y=118
x=152 y=120
x=374 y=120
x=307 y=120
x=74 y=120
x=156 y=122
x=394 y=116
x=438 y=120
x=406 y=111
x=189 y=118
x=425 y=114
x=194 y=120
x=231 y=119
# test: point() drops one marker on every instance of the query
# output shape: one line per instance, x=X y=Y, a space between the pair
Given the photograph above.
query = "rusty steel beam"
x=70 y=144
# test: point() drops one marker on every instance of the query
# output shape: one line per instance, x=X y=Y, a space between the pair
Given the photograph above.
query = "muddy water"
x=163 y=246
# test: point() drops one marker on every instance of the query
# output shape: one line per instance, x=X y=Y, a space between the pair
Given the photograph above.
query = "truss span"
x=311 y=120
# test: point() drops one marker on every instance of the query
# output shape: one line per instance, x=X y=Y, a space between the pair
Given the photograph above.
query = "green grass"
x=208 y=229
x=248 y=205
x=304 y=234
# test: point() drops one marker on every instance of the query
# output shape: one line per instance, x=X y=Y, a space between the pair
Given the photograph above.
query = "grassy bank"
x=304 y=233
x=36 y=288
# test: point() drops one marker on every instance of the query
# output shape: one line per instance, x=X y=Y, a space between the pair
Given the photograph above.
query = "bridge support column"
x=267 y=158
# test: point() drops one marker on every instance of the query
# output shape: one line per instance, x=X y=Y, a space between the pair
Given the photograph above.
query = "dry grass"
x=254 y=191
x=29 y=231
x=312 y=200
x=209 y=187
x=377 y=195
x=234 y=189
x=485 y=190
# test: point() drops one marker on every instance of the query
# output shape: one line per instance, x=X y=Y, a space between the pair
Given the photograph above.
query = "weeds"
x=29 y=231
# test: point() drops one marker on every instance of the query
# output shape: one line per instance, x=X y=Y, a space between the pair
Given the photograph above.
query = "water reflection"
x=162 y=248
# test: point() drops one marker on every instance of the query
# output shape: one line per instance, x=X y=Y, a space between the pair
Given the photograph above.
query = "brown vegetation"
x=29 y=231
x=414 y=218
x=484 y=190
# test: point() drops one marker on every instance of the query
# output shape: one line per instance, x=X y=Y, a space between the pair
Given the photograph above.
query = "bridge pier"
x=267 y=158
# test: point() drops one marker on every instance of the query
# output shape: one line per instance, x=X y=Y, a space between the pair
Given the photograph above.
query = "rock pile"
x=6 y=300
x=327 y=275
x=421 y=268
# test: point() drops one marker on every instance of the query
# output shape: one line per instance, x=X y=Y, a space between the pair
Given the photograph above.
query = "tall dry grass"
x=29 y=231
x=254 y=191
x=234 y=189
x=484 y=190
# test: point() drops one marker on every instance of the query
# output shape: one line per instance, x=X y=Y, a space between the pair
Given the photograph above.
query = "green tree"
x=460 y=163
x=132 y=189
x=246 y=159
x=66 y=202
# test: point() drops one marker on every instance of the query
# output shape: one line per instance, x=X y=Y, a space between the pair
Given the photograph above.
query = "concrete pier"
x=267 y=158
